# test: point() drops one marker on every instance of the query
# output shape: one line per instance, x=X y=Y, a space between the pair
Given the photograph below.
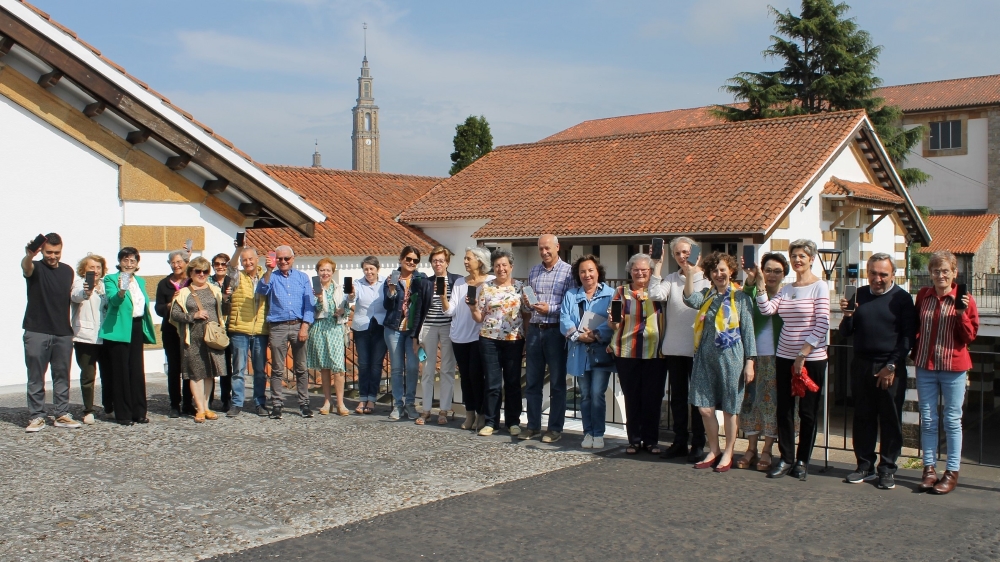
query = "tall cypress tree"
x=828 y=65
x=472 y=140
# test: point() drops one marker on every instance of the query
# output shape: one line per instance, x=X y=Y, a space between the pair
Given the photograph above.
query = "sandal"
x=421 y=419
x=764 y=466
x=653 y=449
x=324 y=410
x=745 y=463
x=369 y=409
x=632 y=449
x=442 y=419
x=342 y=411
x=360 y=409
x=210 y=415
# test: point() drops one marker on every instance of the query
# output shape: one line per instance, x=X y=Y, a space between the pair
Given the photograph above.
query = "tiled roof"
x=360 y=209
x=862 y=191
x=959 y=234
x=729 y=178
x=944 y=94
x=642 y=123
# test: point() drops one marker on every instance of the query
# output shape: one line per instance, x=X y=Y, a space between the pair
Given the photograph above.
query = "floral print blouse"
x=501 y=307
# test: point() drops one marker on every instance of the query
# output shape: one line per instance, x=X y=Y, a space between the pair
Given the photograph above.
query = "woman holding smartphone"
x=326 y=346
x=89 y=303
x=434 y=331
x=367 y=328
x=401 y=298
x=126 y=327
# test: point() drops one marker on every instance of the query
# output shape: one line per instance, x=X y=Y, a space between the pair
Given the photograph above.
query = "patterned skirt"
x=759 y=412
x=326 y=345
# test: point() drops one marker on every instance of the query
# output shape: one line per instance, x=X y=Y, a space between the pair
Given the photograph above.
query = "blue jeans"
x=370 y=347
x=256 y=347
x=402 y=358
x=546 y=347
x=950 y=386
x=593 y=405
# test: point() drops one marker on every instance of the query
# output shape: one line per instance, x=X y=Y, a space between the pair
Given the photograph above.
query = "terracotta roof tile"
x=360 y=209
x=733 y=177
x=862 y=191
x=944 y=94
x=959 y=234
x=641 y=123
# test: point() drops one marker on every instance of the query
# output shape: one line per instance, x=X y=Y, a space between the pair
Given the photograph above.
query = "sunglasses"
x=282 y=258
x=219 y=264
x=411 y=260
x=200 y=271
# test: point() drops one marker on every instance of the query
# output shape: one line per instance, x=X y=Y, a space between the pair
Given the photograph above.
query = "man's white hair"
x=288 y=249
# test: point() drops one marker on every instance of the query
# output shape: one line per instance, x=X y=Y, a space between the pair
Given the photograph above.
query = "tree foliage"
x=472 y=140
x=828 y=64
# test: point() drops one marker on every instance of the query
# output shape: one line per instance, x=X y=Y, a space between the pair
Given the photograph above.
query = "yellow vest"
x=248 y=310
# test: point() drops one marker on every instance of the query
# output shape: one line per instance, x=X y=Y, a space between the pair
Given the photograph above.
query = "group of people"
x=747 y=350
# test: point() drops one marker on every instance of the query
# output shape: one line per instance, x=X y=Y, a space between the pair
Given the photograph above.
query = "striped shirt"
x=550 y=285
x=638 y=334
x=943 y=335
x=805 y=312
x=435 y=314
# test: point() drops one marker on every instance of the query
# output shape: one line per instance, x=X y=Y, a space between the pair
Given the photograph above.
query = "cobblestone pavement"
x=176 y=490
x=631 y=508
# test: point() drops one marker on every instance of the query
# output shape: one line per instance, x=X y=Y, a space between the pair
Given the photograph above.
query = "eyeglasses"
x=640 y=271
x=437 y=262
x=219 y=264
x=200 y=271
x=284 y=258
x=941 y=272
x=411 y=260
x=774 y=271
x=129 y=260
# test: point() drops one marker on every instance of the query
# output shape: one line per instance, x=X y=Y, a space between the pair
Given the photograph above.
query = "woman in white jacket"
x=87 y=314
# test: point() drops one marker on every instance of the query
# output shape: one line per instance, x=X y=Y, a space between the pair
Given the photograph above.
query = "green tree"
x=472 y=140
x=828 y=64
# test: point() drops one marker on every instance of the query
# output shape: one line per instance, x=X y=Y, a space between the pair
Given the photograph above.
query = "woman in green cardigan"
x=758 y=414
x=126 y=327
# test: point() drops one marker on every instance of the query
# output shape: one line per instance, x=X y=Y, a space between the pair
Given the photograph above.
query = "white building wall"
x=456 y=236
x=958 y=182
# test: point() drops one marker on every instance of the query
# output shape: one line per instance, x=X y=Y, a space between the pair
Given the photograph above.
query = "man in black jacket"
x=884 y=326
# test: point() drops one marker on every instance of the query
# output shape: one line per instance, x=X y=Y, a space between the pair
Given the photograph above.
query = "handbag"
x=215 y=334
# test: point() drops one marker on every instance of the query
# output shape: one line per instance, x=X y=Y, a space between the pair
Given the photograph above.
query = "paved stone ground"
x=176 y=490
x=632 y=508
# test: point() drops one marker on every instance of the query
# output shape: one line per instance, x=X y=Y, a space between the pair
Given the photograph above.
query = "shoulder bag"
x=215 y=333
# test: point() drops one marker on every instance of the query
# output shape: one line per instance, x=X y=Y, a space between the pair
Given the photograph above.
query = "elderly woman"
x=165 y=290
x=757 y=416
x=89 y=303
x=220 y=267
x=193 y=308
x=723 y=356
x=501 y=344
x=804 y=307
x=367 y=330
x=465 y=335
x=326 y=346
x=636 y=346
x=947 y=325
x=583 y=320
x=434 y=331
x=402 y=304
x=126 y=327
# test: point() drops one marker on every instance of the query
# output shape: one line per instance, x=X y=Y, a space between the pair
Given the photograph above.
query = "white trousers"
x=430 y=338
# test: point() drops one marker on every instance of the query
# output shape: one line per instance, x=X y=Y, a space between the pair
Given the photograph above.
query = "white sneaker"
x=588 y=441
x=35 y=426
x=486 y=431
x=395 y=414
x=598 y=442
x=67 y=421
x=515 y=430
x=88 y=419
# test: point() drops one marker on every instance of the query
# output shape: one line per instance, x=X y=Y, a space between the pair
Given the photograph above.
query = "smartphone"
x=90 y=279
x=439 y=286
x=123 y=281
x=348 y=285
x=530 y=293
x=189 y=244
x=749 y=256
x=225 y=284
x=657 y=250
x=851 y=294
x=37 y=243
x=962 y=290
x=241 y=238
x=272 y=259
x=394 y=277
x=317 y=285
x=616 y=311
x=471 y=296
x=421 y=355
x=695 y=253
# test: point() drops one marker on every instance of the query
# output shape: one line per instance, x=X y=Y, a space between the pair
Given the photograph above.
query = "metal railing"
x=984 y=288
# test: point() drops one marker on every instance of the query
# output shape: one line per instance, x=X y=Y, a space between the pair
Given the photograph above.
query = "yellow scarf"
x=727 y=320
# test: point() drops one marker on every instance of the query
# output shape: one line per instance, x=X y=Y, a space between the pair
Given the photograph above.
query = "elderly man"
x=678 y=347
x=884 y=326
x=248 y=331
x=545 y=344
x=290 y=312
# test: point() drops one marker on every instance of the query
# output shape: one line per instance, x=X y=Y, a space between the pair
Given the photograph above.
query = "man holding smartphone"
x=678 y=346
x=48 y=335
x=884 y=326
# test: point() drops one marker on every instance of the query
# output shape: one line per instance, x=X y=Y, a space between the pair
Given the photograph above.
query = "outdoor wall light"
x=829 y=258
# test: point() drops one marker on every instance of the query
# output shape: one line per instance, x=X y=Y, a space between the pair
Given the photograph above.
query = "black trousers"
x=877 y=411
x=502 y=361
x=679 y=369
x=128 y=375
x=809 y=407
x=90 y=356
x=643 y=382
x=176 y=388
x=473 y=378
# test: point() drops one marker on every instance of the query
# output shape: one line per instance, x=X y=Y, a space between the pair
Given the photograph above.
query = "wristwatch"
x=891 y=367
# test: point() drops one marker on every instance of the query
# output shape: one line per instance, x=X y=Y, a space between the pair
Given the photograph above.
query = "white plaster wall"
x=52 y=184
x=219 y=231
x=456 y=236
x=948 y=189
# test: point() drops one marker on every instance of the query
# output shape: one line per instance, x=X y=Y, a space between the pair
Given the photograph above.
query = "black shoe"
x=233 y=412
x=886 y=481
x=778 y=470
x=696 y=455
x=226 y=406
x=262 y=411
x=174 y=413
x=859 y=476
x=801 y=470
x=188 y=411
x=674 y=451
x=275 y=413
x=142 y=420
x=306 y=412
x=126 y=423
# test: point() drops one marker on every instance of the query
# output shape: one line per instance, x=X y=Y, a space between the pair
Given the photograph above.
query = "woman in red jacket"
x=948 y=324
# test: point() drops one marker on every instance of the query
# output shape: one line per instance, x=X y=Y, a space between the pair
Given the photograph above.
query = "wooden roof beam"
x=251 y=209
x=138 y=137
x=51 y=79
x=215 y=186
x=94 y=109
x=178 y=163
x=6 y=45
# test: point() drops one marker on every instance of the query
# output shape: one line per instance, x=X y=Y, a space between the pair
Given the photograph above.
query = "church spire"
x=365 y=137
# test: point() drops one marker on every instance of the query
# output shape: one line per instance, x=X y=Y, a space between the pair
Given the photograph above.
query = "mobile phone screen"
x=37 y=243
x=657 y=251
x=851 y=294
x=90 y=279
x=317 y=285
x=695 y=253
x=616 y=311
x=471 y=296
x=962 y=290
x=530 y=293
x=749 y=256
x=272 y=259
x=394 y=277
x=225 y=283
x=123 y=281
x=241 y=239
x=348 y=285
x=189 y=244
x=439 y=286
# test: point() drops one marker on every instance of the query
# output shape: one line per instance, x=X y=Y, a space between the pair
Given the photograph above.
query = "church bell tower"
x=364 y=139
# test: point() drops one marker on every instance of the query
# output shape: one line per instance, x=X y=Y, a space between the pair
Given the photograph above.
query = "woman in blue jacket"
x=588 y=340
x=402 y=314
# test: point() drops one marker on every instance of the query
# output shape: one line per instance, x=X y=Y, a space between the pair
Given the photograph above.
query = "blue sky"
x=275 y=75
